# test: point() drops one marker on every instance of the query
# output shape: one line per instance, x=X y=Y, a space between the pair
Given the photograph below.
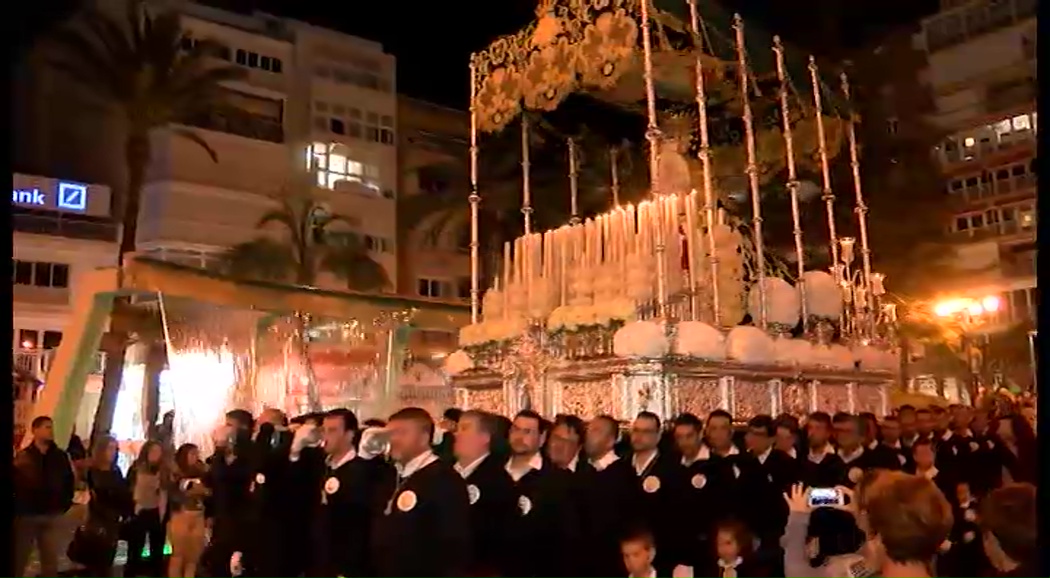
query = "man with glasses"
x=659 y=477
x=779 y=470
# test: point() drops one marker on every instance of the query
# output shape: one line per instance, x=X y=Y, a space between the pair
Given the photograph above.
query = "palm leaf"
x=261 y=258
x=351 y=262
x=198 y=139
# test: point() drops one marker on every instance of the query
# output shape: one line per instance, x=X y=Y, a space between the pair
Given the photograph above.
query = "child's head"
x=638 y=549
x=732 y=540
x=963 y=493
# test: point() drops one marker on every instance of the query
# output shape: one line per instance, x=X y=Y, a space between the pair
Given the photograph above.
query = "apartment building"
x=982 y=72
x=433 y=159
x=316 y=111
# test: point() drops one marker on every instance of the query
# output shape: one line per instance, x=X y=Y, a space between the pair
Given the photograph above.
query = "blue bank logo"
x=72 y=196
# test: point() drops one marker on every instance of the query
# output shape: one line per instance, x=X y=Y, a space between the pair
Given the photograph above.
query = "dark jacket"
x=44 y=481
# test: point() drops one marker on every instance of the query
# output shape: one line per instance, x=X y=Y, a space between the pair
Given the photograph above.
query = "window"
x=377 y=244
x=1017 y=170
x=253 y=60
x=386 y=130
x=1026 y=217
x=41 y=274
x=977 y=221
x=969 y=142
x=336 y=126
x=1020 y=122
x=992 y=217
x=463 y=288
x=962 y=224
x=242 y=57
x=891 y=126
x=429 y=288
x=332 y=165
x=28 y=338
x=52 y=339
x=265 y=63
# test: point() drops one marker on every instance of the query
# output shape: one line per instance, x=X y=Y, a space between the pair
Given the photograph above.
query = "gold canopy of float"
x=640 y=308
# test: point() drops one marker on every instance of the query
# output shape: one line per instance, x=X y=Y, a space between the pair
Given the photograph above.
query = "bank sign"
x=67 y=197
x=59 y=195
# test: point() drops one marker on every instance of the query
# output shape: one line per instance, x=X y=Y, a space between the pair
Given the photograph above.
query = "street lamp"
x=970 y=313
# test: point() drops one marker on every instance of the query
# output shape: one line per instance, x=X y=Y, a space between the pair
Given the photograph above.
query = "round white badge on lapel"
x=991 y=445
x=945 y=546
x=901 y=459
x=473 y=493
x=699 y=481
x=736 y=471
x=974 y=447
x=651 y=484
x=406 y=501
x=525 y=505
x=970 y=515
x=260 y=479
x=855 y=474
x=770 y=478
x=955 y=451
x=969 y=536
x=331 y=485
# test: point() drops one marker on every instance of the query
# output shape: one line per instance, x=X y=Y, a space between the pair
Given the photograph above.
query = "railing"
x=956 y=26
x=241 y=123
x=999 y=187
x=37 y=362
x=62 y=226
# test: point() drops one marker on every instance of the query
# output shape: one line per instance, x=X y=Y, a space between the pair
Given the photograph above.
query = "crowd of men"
x=327 y=496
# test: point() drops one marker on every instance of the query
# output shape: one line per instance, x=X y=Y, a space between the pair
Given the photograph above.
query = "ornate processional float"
x=672 y=304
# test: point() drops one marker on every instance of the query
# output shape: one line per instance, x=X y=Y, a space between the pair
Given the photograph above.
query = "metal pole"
x=652 y=132
x=789 y=149
x=526 y=198
x=1033 y=360
x=825 y=169
x=861 y=210
x=474 y=198
x=705 y=161
x=613 y=166
x=574 y=218
x=752 y=169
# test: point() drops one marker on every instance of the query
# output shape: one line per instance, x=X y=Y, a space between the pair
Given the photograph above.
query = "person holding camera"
x=836 y=555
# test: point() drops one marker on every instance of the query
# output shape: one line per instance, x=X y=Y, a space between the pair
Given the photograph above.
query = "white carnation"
x=782 y=302
x=458 y=362
x=750 y=344
x=823 y=295
x=700 y=340
x=793 y=351
x=644 y=339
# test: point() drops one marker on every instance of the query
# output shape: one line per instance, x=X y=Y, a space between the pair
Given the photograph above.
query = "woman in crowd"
x=149 y=477
x=186 y=527
x=110 y=504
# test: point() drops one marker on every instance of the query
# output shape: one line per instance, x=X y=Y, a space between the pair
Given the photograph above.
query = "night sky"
x=433 y=40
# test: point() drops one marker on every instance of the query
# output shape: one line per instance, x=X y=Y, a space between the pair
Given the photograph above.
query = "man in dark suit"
x=422 y=523
x=890 y=442
x=449 y=421
x=781 y=472
x=658 y=474
x=821 y=467
x=493 y=503
x=611 y=499
x=545 y=533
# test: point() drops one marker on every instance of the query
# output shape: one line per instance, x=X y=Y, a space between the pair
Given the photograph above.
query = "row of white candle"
x=641 y=233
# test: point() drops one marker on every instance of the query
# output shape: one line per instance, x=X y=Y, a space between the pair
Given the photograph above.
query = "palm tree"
x=137 y=66
x=500 y=185
x=308 y=247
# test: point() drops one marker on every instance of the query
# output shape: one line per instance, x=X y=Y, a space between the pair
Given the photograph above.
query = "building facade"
x=982 y=73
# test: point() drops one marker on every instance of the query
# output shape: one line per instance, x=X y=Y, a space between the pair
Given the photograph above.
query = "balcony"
x=958 y=25
x=62 y=225
x=996 y=189
x=239 y=122
x=37 y=362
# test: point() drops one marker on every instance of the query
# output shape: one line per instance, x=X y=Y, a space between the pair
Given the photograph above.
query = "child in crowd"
x=639 y=551
x=964 y=553
x=735 y=552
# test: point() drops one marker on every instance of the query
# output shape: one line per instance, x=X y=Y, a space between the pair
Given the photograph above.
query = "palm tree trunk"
x=155 y=361
x=136 y=159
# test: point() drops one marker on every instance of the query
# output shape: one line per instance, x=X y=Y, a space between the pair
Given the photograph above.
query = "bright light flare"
x=973 y=307
x=990 y=303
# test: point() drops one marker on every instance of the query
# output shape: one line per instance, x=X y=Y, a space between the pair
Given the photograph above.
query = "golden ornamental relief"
x=548 y=27
x=550 y=76
x=499 y=100
x=608 y=48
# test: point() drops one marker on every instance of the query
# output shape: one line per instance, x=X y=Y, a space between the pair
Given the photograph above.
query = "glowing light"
x=974 y=308
x=990 y=303
x=27 y=344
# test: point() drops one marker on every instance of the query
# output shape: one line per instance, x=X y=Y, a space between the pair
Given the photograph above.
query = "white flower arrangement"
x=782 y=302
x=823 y=295
x=641 y=339
x=793 y=351
x=458 y=362
x=750 y=344
x=491 y=331
x=700 y=340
